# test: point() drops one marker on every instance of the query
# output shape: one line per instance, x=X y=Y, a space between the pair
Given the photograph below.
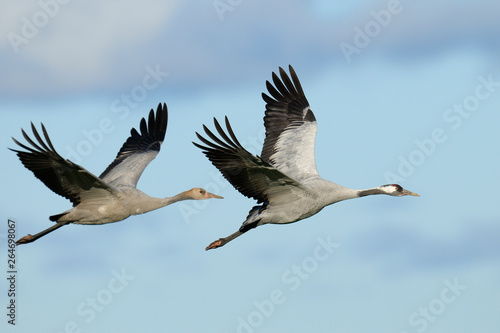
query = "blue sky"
x=417 y=102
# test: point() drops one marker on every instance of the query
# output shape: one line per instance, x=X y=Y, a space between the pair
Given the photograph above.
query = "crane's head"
x=396 y=190
x=198 y=193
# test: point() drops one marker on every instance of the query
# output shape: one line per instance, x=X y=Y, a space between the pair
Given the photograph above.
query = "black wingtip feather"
x=152 y=134
x=215 y=138
x=231 y=133
x=46 y=135
x=233 y=161
x=203 y=148
x=286 y=104
x=209 y=143
x=234 y=142
x=38 y=137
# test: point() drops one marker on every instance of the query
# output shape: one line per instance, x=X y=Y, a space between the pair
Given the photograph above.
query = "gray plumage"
x=112 y=196
x=284 y=179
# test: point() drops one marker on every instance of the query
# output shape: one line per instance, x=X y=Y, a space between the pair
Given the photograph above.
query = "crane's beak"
x=209 y=195
x=406 y=192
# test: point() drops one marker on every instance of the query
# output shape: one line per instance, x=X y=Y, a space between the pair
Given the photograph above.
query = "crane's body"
x=288 y=208
x=127 y=201
x=112 y=196
x=284 y=177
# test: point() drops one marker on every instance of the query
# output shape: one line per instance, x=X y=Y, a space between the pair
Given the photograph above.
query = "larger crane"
x=284 y=179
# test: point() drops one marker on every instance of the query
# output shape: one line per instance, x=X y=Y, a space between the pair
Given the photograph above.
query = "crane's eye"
x=202 y=192
x=398 y=187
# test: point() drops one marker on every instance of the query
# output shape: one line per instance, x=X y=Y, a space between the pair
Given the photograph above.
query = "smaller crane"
x=112 y=196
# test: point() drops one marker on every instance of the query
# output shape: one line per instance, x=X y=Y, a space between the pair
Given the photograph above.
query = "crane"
x=113 y=195
x=283 y=179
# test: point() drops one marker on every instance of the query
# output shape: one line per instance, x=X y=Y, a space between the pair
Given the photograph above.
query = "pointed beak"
x=406 y=192
x=211 y=195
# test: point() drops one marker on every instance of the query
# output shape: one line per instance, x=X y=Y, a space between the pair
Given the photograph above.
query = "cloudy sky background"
x=386 y=113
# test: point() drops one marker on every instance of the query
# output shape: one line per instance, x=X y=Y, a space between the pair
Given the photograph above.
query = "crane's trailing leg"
x=31 y=238
x=223 y=241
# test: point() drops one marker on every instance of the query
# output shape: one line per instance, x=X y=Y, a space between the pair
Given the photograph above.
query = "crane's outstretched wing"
x=138 y=150
x=249 y=174
x=290 y=128
x=62 y=176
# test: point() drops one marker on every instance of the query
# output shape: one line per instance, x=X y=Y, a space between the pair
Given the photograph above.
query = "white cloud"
x=82 y=43
x=105 y=46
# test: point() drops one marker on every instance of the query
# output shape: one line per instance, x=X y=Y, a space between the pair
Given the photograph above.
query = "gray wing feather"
x=138 y=150
x=290 y=127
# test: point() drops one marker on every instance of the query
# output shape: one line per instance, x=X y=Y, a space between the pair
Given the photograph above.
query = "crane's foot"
x=24 y=240
x=215 y=244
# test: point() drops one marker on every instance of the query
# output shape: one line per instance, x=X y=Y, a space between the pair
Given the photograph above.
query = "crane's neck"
x=339 y=193
x=179 y=197
x=147 y=203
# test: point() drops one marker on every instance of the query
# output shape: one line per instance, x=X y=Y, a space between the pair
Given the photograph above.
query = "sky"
x=403 y=91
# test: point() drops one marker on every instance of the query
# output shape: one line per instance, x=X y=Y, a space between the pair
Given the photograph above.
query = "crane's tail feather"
x=253 y=217
x=56 y=217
